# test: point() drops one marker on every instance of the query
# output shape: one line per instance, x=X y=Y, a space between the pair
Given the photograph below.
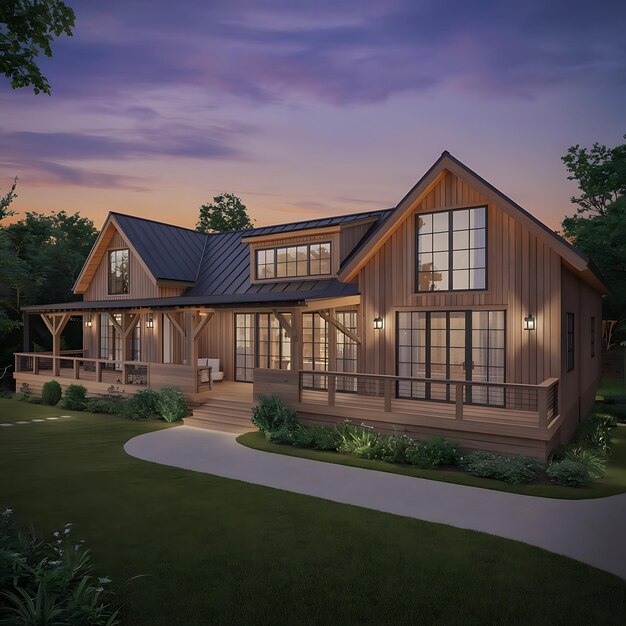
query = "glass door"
x=244 y=346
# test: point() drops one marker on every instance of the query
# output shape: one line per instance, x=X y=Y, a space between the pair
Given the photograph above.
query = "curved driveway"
x=592 y=531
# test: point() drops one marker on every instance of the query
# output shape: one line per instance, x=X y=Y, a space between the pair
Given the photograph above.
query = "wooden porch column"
x=56 y=322
x=542 y=406
x=199 y=321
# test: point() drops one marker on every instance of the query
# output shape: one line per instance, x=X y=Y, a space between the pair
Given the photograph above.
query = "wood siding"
x=524 y=276
x=350 y=236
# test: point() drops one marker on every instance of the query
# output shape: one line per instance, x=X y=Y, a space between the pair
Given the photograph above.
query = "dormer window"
x=119 y=275
x=309 y=259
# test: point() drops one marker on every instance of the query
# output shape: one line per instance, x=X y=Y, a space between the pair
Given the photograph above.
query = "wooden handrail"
x=43 y=355
x=549 y=382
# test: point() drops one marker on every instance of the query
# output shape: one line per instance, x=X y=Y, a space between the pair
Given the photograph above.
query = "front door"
x=453 y=345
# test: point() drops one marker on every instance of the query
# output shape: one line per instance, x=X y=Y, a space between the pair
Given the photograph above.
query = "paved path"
x=592 y=531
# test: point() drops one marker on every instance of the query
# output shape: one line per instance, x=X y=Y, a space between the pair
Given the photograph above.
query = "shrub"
x=51 y=393
x=591 y=459
x=172 y=405
x=394 y=448
x=142 y=405
x=282 y=435
x=568 y=472
x=102 y=404
x=75 y=398
x=301 y=436
x=515 y=470
x=50 y=582
x=433 y=452
x=25 y=392
x=357 y=440
x=271 y=413
x=324 y=438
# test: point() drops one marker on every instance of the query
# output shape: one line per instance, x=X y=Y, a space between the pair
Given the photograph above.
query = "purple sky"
x=307 y=109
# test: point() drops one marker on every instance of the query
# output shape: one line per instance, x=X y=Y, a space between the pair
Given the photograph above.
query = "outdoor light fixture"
x=378 y=323
x=89 y=323
x=529 y=322
x=150 y=321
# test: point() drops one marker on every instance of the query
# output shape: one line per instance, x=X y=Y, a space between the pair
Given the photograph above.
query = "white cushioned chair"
x=214 y=364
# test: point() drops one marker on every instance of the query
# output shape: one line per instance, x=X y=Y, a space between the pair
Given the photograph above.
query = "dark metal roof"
x=217 y=263
x=170 y=252
x=288 y=294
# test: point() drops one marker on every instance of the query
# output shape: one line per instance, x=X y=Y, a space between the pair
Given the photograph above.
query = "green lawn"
x=611 y=387
x=614 y=482
x=219 y=551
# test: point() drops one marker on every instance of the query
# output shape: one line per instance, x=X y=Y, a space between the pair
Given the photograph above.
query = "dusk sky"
x=309 y=109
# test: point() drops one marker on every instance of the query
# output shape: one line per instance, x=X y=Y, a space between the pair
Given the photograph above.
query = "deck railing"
x=79 y=367
x=398 y=394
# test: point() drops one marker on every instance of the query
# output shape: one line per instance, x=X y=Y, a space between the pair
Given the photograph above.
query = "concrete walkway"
x=592 y=531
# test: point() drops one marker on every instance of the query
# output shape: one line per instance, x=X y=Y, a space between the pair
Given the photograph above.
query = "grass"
x=611 y=387
x=219 y=551
x=613 y=483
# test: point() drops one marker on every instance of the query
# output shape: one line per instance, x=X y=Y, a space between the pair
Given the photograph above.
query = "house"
x=455 y=313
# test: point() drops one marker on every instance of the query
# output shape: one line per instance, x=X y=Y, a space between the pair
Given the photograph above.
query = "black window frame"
x=570 y=342
x=125 y=289
x=450 y=251
x=593 y=336
x=275 y=263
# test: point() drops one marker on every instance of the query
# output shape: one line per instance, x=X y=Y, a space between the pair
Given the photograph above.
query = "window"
x=111 y=344
x=593 y=337
x=260 y=341
x=452 y=250
x=311 y=259
x=314 y=349
x=118 y=272
x=135 y=344
x=569 y=329
x=346 y=357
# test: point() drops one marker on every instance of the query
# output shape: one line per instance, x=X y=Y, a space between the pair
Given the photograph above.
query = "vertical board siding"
x=523 y=277
x=350 y=236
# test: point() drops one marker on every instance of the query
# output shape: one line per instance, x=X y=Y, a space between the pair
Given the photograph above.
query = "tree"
x=40 y=259
x=28 y=27
x=599 y=226
x=226 y=212
x=600 y=173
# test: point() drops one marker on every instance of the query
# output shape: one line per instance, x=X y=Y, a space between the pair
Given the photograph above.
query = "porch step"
x=222 y=414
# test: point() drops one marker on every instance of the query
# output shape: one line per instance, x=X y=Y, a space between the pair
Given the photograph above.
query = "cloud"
x=348 y=52
x=35 y=173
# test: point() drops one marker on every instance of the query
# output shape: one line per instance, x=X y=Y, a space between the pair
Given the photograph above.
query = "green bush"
x=74 y=398
x=142 y=405
x=172 y=404
x=102 y=404
x=433 y=452
x=51 y=393
x=515 y=470
x=301 y=436
x=271 y=413
x=50 y=582
x=324 y=438
x=568 y=472
x=357 y=440
x=393 y=448
x=284 y=435
x=591 y=459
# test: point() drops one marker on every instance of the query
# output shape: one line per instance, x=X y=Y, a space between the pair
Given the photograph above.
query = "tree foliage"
x=226 y=212
x=599 y=226
x=41 y=256
x=27 y=27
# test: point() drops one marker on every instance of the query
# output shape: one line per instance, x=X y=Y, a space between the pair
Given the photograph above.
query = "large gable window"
x=452 y=250
x=311 y=259
x=118 y=272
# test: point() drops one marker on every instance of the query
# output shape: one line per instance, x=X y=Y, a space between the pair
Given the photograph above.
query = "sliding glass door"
x=453 y=345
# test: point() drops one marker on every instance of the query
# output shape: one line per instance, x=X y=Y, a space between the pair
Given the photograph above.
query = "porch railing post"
x=99 y=371
x=542 y=406
x=332 y=389
x=387 y=390
x=56 y=366
x=35 y=365
x=458 y=397
x=76 y=369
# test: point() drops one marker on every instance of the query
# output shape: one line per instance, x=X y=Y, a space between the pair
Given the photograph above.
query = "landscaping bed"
x=592 y=466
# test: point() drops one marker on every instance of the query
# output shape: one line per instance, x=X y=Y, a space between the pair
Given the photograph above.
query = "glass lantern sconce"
x=150 y=321
x=530 y=323
x=378 y=323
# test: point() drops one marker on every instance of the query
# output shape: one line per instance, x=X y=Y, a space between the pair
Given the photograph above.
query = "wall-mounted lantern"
x=529 y=322
x=150 y=321
x=378 y=323
x=89 y=323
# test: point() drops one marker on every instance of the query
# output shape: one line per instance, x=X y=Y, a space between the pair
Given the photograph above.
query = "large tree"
x=226 y=212
x=40 y=258
x=27 y=28
x=599 y=226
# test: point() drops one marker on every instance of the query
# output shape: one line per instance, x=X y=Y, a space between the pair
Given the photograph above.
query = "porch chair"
x=212 y=366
